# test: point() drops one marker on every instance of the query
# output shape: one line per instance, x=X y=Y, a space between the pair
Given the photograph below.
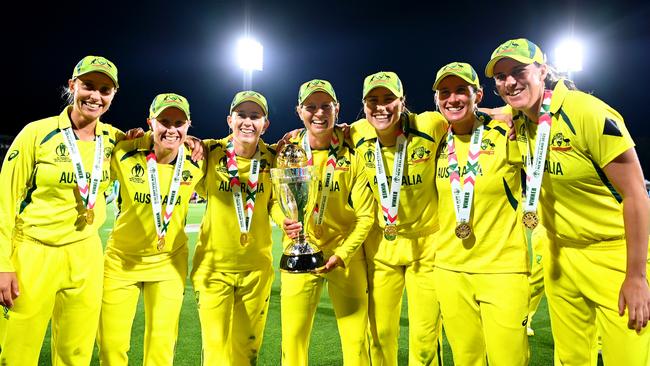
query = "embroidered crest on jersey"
x=222 y=167
x=137 y=172
x=420 y=154
x=187 y=178
x=369 y=156
x=62 y=153
x=560 y=143
x=343 y=164
x=487 y=146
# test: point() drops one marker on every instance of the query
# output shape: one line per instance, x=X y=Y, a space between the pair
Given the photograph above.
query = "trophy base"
x=301 y=263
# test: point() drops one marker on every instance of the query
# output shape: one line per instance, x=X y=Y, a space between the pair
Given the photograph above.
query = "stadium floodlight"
x=250 y=54
x=568 y=56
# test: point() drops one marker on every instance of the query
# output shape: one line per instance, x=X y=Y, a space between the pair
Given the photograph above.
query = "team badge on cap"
x=386 y=79
x=96 y=64
x=316 y=85
x=519 y=49
x=250 y=96
x=462 y=70
x=166 y=100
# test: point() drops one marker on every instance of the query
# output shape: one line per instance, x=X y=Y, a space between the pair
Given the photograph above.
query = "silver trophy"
x=295 y=186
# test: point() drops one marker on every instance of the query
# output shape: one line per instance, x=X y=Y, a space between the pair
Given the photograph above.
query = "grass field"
x=325 y=344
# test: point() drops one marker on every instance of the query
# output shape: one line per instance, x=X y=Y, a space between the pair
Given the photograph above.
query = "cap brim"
x=392 y=90
x=318 y=90
x=450 y=73
x=155 y=115
x=256 y=101
x=489 y=68
x=103 y=72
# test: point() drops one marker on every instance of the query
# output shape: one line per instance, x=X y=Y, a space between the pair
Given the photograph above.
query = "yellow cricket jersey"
x=350 y=211
x=131 y=251
x=578 y=203
x=418 y=211
x=498 y=241
x=219 y=248
x=41 y=199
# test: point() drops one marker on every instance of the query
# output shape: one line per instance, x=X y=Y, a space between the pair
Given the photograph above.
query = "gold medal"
x=243 y=239
x=530 y=219
x=390 y=232
x=161 y=244
x=463 y=230
x=318 y=231
x=90 y=216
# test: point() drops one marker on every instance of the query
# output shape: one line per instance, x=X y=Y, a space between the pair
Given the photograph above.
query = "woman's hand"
x=134 y=133
x=332 y=263
x=8 y=288
x=197 y=146
x=291 y=228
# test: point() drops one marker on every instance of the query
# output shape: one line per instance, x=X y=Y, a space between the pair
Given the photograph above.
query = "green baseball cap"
x=386 y=79
x=316 y=85
x=462 y=70
x=250 y=96
x=519 y=49
x=167 y=100
x=96 y=64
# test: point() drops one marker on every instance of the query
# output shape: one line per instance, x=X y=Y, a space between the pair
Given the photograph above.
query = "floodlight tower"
x=250 y=55
x=568 y=56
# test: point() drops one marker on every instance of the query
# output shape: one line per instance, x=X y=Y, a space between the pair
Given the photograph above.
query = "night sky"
x=187 y=47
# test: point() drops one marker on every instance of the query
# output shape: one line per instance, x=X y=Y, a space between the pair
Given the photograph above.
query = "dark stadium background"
x=188 y=47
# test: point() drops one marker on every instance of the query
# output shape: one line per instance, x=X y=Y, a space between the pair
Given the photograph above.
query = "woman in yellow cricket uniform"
x=232 y=273
x=345 y=216
x=593 y=205
x=147 y=250
x=55 y=174
x=481 y=253
x=400 y=147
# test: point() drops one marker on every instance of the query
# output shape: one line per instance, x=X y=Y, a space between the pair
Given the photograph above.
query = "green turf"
x=325 y=344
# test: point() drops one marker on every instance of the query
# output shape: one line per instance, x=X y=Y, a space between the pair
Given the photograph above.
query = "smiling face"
x=457 y=100
x=520 y=85
x=92 y=96
x=247 y=122
x=383 y=109
x=169 y=128
x=318 y=113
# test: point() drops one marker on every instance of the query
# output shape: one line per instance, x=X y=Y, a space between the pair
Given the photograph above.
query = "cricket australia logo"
x=137 y=172
x=62 y=153
x=343 y=164
x=487 y=147
x=187 y=177
x=420 y=154
x=560 y=143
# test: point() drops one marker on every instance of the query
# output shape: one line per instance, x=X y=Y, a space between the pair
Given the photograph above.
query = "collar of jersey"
x=64 y=122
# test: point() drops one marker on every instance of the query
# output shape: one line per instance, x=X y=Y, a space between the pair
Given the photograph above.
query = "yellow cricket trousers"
x=300 y=295
x=162 y=307
x=63 y=283
x=406 y=262
x=485 y=317
x=232 y=308
x=582 y=288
